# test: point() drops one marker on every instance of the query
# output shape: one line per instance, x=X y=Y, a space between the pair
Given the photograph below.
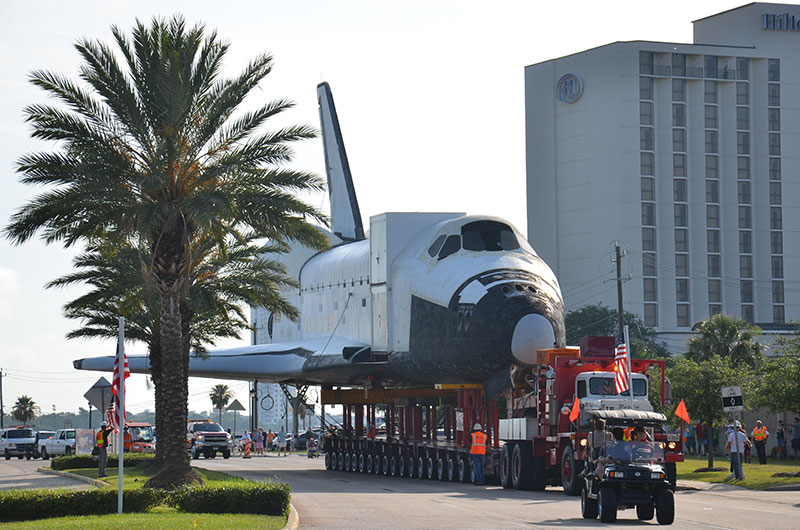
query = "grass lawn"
x=161 y=518
x=134 y=477
x=757 y=477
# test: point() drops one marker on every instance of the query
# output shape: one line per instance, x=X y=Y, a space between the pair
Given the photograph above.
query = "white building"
x=687 y=155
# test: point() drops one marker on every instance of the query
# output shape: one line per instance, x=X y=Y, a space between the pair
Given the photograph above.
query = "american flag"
x=115 y=388
x=622 y=379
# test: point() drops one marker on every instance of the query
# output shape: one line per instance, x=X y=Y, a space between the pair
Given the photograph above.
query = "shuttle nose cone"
x=532 y=332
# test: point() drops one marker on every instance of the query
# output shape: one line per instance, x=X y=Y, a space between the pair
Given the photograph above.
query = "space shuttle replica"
x=422 y=298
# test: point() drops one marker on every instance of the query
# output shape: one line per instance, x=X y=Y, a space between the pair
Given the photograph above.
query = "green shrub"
x=87 y=462
x=266 y=498
x=20 y=505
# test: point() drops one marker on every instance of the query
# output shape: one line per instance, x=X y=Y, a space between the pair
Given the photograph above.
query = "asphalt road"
x=332 y=499
x=22 y=474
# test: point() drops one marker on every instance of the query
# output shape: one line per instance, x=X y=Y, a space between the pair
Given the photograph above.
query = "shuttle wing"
x=311 y=361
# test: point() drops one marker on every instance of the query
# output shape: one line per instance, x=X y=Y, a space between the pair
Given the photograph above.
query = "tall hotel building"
x=684 y=154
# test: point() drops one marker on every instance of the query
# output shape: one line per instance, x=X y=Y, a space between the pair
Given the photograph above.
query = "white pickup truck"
x=62 y=443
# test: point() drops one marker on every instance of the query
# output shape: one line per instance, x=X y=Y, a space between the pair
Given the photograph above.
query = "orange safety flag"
x=682 y=413
x=576 y=410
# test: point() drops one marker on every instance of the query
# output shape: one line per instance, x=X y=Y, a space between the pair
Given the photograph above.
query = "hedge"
x=20 y=505
x=88 y=462
x=266 y=498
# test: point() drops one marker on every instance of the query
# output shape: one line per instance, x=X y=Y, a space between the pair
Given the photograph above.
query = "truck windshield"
x=141 y=434
x=20 y=433
x=207 y=427
x=604 y=386
x=635 y=452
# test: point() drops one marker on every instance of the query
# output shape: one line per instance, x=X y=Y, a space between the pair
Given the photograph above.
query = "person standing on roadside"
x=270 y=440
x=282 y=442
x=796 y=437
x=101 y=440
x=478 y=452
x=780 y=440
x=737 y=442
x=760 y=435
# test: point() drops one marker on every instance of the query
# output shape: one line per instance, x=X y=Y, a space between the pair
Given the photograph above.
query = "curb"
x=293 y=521
x=94 y=482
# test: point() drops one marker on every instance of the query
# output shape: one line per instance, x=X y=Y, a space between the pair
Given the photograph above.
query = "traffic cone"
x=246 y=450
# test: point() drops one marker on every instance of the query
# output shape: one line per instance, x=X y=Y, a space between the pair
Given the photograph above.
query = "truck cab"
x=19 y=441
x=596 y=391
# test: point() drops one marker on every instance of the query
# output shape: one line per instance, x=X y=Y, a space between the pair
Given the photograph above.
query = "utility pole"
x=619 y=288
x=2 y=411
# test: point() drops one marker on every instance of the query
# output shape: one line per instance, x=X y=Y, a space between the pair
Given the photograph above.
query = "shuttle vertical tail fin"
x=345 y=214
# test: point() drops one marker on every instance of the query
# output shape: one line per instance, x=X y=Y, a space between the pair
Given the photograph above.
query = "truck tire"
x=369 y=469
x=393 y=466
x=588 y=506
x=340 y=462
x=607 y=504
x=505 y=466
x=27 y=456
x=195 y=454
x=347 y=462
x=431 y=469
x=385 y=466
x=45 y=456
x=411 y=468
x=421 y=471
x=226 y=454
x=521 y=467
x=441 y=469
x=7 y=455
x=672 y=474
x=68 y=451
x=539 y=474
x=665 y=507
x=328 y=461
x=463 y=470
x=362 y=463
x=452 y=469
x=569 y=472
x=644 y=512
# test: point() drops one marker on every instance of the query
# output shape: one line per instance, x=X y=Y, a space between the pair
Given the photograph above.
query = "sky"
x=430 y=97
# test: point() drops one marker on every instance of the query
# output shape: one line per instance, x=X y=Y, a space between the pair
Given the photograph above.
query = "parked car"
x=62 y=443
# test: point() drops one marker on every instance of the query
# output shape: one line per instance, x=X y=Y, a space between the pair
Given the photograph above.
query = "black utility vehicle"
x=627 y=468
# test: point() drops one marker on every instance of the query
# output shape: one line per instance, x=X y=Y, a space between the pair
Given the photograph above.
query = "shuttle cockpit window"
x=434 y=249
x=451 y=246
x=488 y=235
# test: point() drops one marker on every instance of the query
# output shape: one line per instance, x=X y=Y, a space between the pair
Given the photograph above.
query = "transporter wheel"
x=431 y=469
x=665 y=507
x=463 y=470
x=441 y=469
x=328 y=461
x=569 y=472
x=347 y=461
x=421 y=472
x=340 y=461
x=368 y=465
x=588 y=506
x=385 y=466
x=45 y=456
x=505 y=466
x=645 y=512
x=394 y=467
x=607 y=504
x=362 y=463
x=452 y=469
x=354 y=462
x=411 y=468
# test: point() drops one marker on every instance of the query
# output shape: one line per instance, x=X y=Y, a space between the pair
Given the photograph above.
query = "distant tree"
x=600 y=320
x=220 y=396
x=778 y=386
x=25 y=409
x=729 y=337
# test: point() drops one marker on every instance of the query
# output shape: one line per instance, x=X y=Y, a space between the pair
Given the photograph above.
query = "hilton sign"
x=785 y=22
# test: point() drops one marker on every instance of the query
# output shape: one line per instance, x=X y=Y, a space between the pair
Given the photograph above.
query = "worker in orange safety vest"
x=101 y=441
x=478 y=452
x=760 y=435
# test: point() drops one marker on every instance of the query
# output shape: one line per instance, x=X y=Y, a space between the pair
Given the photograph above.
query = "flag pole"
x=121 y=412
x=628 y=351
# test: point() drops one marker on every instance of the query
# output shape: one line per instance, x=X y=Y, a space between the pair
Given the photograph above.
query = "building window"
x=774 y=119
x=745 y=266
x=682 y=290
x=747 y=313
x=775 y=193
x=679 y=140
x=774 y=70
x=778 y=315
x=681 y=240
x=648 y=264
x=645 y=62
x=679 y=165
x=743 y=167
x=775 y=218
x=742 y=68
x=681 y=264
x=678 y=64
x=742 y=94
x=774 y=168
x=745 y=242
x=712 y=216
x=647 y=164
x=743 y=143
x=712 y=191
x=712 y=167
x=645 y=113
x=776 y=242
x=651 y=315
x=744 y=217
x=742 y=118
x=774 y=95
x=710 y=91
x=714 y=269
x=646 y=134
x=648 y=187
x=678 y=115
x=714 y=290
x=711 y=141
x=746 y=291
x=711 y=66
x=714 y=309
x=681 y=215
x=774 y=144
x=650 y=291
x=777 y=266
x=711 y=116
x=649 y=239
x=712 y=239
x=646 y=88
x=678 y=90
x=679 y=190
x=648 y=214
x=682 y=312
x=743 y=187
x=777 y=291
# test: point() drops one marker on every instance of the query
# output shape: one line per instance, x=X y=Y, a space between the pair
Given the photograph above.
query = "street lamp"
x=54 y=417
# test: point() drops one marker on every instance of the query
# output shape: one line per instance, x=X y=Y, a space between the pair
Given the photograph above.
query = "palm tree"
x=220 y=396
x=729 y=337
x=24 y=409
x=151 y=154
